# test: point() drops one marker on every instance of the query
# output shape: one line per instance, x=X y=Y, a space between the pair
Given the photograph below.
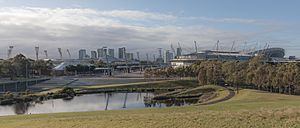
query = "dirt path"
x=229 y=96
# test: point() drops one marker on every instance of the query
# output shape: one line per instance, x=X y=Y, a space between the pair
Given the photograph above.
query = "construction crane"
x=179 y=46
x=179 y=50
x=173 y=50
x=218 y=45
x=160 y=52
x=68 y=51
x=60 y=53
x=10 y=49
x=147 y=56
x=37 y=49
x=196 y=48
x=232 y=47
x=46 y=53
x=138 y=55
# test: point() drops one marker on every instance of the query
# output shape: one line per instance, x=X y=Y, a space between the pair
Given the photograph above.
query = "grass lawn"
x=249 y=108
x=160 y=84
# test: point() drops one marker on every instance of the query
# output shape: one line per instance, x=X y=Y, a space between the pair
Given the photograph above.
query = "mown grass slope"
x=249 y=108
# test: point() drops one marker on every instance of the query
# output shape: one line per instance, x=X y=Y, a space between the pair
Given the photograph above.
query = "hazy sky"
x=144 y=25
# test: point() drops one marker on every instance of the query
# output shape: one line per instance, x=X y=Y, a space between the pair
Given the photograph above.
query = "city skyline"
x=144 y=26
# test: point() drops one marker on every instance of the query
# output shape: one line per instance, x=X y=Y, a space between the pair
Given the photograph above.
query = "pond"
x=91 y=102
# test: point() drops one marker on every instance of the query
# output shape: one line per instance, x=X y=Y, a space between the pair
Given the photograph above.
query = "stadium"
x=272 y=55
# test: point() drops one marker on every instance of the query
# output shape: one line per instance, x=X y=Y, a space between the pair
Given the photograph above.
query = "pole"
x=124 y=106
x=107 y=100
x=196 y=48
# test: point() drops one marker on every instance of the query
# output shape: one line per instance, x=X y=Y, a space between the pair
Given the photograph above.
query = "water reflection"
x=93 y=102
x=21 y=108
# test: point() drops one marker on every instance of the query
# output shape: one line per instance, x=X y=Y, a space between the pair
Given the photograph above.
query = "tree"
x=19 y=63
x=42 y=67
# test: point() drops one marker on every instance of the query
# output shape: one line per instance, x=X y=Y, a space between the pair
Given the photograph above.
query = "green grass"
x=129 y=85
x=161 y=84
x=249 y=108
x=253 y=99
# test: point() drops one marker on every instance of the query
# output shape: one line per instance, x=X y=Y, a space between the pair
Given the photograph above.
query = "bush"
x=8 y=95
x=68 y=90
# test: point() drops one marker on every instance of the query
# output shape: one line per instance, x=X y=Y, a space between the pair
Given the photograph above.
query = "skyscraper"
x=122 y=53
x=105 y=51
x=111 y=52
x=102 y=52
x=82 y=54
x=168 y=56
x=129 y=56
x=179 y=52
x=93 y=55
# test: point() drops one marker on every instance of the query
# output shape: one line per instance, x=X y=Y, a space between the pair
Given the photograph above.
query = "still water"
x=92 y=102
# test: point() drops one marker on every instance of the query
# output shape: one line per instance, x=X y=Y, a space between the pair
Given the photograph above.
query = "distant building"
x=105 y=51
x=111 y=52
x=179 y=52
x=122 y=52
x=272 y=55
x=168 y=56
x=160 y=53
x=82 y=54
x=160 y=61
x=102 y=52
x=94 y=55
x=138 y=56
x=87 y=56
x=129 y=56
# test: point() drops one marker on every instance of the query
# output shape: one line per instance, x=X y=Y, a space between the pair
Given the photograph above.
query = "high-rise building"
x=160 y=53
x=168 y=56
x=179 y=52
x=122 y=53
x=94 y=55
x=111 y=52
x=82 y=54
x=105 y=51
x=138 y=56
x=129 y=56
x=102 y=52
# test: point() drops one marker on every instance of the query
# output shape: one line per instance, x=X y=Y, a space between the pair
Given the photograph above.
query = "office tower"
x=94 y=55
x=82 y=54
x=111 y=52
x=122 y=52
x=129 y=56
x=168 y=56
x=179 y=52
x=102 y=52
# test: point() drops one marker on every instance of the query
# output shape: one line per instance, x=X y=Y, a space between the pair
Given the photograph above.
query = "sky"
x=144 y=26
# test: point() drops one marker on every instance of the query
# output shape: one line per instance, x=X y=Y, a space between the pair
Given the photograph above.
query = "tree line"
x=22 y=67
x=80 y=69
x=257 y=74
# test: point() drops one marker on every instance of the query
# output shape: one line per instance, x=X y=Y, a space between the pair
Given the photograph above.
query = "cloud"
x=137 y=15
x=230 y=20
x=52 y=28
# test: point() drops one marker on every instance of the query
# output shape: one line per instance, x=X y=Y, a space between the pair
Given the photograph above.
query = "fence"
x=19 y=86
